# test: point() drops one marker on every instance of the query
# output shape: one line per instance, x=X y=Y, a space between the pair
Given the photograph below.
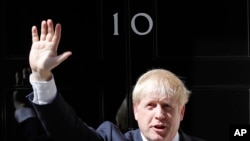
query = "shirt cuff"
x=24 y=113
x=44 y=91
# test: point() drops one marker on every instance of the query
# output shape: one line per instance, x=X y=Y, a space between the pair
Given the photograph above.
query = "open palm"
x=43 y=54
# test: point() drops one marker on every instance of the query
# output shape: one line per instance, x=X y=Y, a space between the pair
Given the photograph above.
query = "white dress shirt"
x=44 y=91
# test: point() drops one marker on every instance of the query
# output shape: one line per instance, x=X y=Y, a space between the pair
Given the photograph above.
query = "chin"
x=157 y=138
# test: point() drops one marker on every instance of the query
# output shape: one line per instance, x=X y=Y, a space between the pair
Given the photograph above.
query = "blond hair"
x=161 y=82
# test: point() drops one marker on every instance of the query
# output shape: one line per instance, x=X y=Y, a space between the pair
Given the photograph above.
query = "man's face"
x=158 y=117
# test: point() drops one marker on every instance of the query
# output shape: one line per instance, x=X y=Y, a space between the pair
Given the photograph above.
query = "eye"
x=166 y=106
x=150 y=105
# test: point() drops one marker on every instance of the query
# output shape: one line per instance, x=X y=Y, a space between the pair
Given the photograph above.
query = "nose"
x=159 y=114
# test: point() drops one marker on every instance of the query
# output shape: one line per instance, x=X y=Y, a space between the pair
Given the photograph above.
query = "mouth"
x=160 y=129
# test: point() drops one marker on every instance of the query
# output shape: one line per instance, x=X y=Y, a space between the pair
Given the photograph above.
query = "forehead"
x=169 y=100
x=157 y=98
x=149 y=97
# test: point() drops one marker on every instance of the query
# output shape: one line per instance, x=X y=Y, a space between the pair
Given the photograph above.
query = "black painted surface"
x=206 y=43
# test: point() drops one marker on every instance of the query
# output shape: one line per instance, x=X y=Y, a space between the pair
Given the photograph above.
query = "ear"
x=182 y=112
x=135 y=111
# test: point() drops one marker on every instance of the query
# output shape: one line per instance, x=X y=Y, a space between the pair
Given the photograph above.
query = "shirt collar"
x=176 y=137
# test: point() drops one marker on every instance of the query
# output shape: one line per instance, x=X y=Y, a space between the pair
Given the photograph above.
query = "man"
x=159 y=99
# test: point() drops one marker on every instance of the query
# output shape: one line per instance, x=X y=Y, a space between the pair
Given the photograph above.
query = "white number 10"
x=133 y=26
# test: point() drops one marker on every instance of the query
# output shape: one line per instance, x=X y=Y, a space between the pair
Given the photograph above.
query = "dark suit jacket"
x=62 y=124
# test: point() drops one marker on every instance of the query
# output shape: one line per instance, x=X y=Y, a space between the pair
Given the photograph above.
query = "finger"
x=57 y=35
x=25 y=76
x=25 y=73
x=34 y=34
x=50 y=30
x=43 y=30
x=60 y=58
x=17 y=78
x=29 y=70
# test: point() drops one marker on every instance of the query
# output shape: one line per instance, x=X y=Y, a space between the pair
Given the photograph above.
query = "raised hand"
x=43 y=54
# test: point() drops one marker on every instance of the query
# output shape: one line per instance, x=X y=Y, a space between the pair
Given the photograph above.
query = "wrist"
x=41 y=76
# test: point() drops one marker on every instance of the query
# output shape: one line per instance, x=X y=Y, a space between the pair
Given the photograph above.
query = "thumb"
x=60 y=58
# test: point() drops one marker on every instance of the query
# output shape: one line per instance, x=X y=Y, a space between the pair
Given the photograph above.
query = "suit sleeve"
x=62 y=123
x=110 y=132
